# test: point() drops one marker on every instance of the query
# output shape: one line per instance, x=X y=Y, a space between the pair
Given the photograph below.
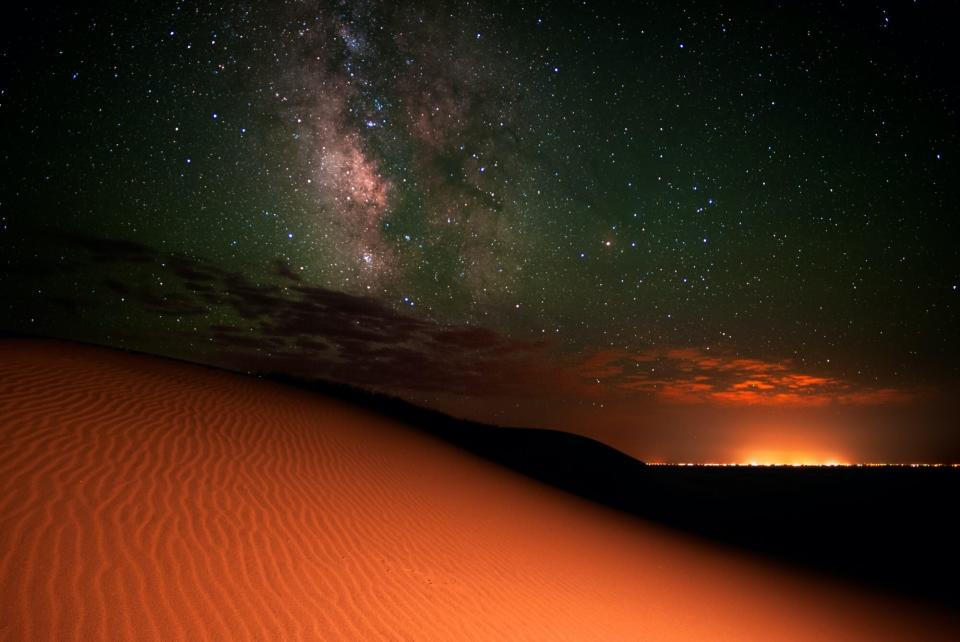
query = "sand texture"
x=146 y=499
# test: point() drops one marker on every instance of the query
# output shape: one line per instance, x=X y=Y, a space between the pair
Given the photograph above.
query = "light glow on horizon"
x=791 y=458
x=801 y=465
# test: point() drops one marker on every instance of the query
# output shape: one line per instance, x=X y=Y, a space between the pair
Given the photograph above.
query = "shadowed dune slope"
x=148 y=499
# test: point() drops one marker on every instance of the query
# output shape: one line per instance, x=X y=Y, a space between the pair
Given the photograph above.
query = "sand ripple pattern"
x=142 y=498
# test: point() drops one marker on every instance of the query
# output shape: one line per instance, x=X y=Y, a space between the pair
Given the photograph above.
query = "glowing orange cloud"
x=695 y=376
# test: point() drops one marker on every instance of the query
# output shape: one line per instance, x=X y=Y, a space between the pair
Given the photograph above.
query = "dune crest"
x=148 y=499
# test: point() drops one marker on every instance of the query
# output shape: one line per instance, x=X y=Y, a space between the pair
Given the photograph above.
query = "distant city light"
x=798 y=465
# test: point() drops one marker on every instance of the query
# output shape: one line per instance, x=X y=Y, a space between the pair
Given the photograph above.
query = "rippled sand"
x=148 y=499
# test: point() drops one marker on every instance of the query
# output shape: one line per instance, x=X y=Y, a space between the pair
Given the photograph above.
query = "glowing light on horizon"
x=715 y=464
x=768 y=458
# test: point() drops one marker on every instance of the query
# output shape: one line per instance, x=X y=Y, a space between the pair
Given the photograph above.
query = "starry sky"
x=696 y=231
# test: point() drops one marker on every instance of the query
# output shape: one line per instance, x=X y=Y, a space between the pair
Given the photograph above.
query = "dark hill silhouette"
x=890 y=528
x=577 y=464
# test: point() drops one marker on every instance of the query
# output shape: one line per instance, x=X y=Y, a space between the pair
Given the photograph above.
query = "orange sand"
x=148 y=499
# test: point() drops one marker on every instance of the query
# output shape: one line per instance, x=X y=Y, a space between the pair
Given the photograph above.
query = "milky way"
x=412 y=166
x=557 y=214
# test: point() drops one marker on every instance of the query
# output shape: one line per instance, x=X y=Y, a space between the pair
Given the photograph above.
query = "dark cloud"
x=313 y=332
x=281 y=324
x=696 y=376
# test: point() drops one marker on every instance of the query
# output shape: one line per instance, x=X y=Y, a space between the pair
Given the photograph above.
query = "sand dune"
x=148 y=499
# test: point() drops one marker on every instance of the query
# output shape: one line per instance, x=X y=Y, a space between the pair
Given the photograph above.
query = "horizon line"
x=805 y=465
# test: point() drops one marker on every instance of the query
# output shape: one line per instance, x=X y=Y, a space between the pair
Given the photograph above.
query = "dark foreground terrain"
x=893 y=528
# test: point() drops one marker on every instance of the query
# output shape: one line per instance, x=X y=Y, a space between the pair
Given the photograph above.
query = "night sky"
x=697 y=231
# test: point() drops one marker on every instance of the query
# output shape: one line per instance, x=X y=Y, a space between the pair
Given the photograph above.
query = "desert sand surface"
x=147 y=499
